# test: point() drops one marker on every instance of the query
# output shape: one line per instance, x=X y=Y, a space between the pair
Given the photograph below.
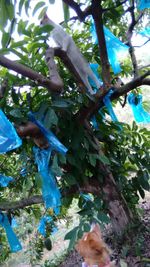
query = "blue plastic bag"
x=4 y=180
x=11 y=236
x=8 y=137
x=42 y=224
x=14 y=223
x=94 y=68
x=52 y=139
x=140 y=115
x=50 y=191
x=114 y=47
x=108 y=105
x=142 y=4
x=145 y=32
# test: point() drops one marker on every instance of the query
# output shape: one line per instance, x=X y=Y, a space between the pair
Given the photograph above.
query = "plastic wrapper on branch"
x=8 y=137
x=5 y=180
x=142 y=4
x=108 y=105
x=11 y=236
x=140 y=115
x=52 y=139
x=114 y=47
x=50 y=192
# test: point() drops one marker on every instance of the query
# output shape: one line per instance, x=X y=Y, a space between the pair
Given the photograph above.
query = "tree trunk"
x=120 y=214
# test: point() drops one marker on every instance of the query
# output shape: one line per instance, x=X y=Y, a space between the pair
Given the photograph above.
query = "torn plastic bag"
x=8 y=137
x=11 y=236
x=50 y=191
x=42 y=224
x=142 y=4
x=108 y=105
x=94 y=68
x=145 y=32
x=4 y=180
x=140 y=115
x=114 y=47
x=52 y=139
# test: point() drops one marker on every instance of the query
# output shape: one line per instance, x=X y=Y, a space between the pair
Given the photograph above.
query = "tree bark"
x=119 y=212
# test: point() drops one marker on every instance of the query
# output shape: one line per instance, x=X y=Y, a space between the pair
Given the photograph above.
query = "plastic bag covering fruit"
x=50 y=191
x=114 y=47
x=140 y=115
x=52 y=139
x=42 y=224
x=8 y=137
x=4 y=180
x=142 y=4
x=94 y=68
x=108 y=105
x=11 y=236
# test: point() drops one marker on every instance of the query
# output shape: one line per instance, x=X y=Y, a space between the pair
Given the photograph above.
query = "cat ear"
x=96 y=228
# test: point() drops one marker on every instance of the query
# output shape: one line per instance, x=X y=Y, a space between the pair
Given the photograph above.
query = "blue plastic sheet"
x=8 y=137
x=14 y=223
x=140 y=115
x=145 y=32
x=4 y=180
x=108 y=105
x=114 y=47
x=52 y=139
x=11 y=236
x=142 y=4
x=50 y=191
x=94 y=68
x=42 y=224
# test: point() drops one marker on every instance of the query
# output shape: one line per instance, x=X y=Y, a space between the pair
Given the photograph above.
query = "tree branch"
x=98 y=20
x=134 y=21
x=91 y=187
x=86 y=112
x=76 y=7
x=31 y=74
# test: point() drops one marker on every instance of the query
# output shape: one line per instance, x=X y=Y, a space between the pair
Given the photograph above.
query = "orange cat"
x=93 y=249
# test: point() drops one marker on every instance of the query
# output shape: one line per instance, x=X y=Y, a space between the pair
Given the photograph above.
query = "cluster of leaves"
x=126 y=151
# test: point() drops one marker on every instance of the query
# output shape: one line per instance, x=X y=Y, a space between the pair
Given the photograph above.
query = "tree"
x=98 y=161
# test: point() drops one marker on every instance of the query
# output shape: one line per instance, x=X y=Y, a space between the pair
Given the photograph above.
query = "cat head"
x=93 y=249
x=46 y=20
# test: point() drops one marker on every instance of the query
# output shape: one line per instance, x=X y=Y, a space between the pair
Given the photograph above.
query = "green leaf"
x=66 y=12
x=5 y=39
x=21 y=3
x=50 y=118
x=142 y=193
x=72 y=236
x=38 y=6
x=27 y=6
x=43 y=29
x=55 y=168
x=70 y=179
x=15 y=97
x=62 y=103
x=10 y=11
x=92 y=159
x=103 y=159
x=102 y=217
x=16 y=113
x=42 y=13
